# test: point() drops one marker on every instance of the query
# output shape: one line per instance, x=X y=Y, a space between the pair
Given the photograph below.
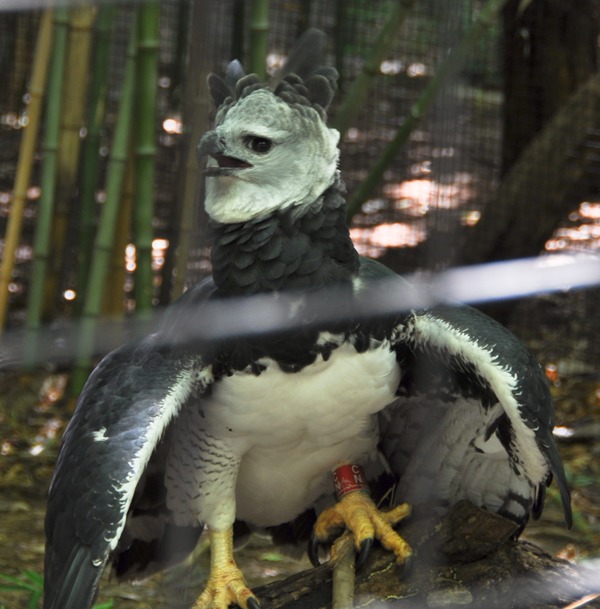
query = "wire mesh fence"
x=439 y=181
x=433 y=196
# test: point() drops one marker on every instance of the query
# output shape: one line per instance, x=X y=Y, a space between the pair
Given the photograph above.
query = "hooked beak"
x=219 y=164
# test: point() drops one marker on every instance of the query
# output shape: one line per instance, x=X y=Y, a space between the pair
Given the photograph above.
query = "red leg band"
x=348 y=478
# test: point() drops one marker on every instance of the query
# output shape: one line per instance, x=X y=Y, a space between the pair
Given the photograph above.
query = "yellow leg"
x=226 y=584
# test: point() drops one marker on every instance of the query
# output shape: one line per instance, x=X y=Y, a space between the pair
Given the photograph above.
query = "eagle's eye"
x=259 y=144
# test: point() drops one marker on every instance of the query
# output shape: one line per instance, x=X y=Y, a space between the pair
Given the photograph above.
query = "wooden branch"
x=343 y=578
x=467 y=559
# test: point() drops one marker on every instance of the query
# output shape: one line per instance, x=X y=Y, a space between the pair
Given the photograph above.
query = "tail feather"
x=78 y=584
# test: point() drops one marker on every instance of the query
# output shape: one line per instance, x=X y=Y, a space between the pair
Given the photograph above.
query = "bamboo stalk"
x=179 y=89
x=145 y=151
x=449 y=68
x=90 y=155
x=355 y=97
x=41 y=246
x=186 y=222
x=103 y=243
x=259 y=30
x=113 y=294
x=81 y=21
x=195 y=117
x=25 y=161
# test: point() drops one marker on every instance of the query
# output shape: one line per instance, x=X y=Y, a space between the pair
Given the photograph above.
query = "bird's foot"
x=357 y=512
x=226 y=584
x=226 y=587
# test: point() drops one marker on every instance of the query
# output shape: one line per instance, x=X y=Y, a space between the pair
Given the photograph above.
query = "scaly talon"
x=313 y=550
x=358 y=513
x=364 y=552
x=253 y=603
x=226 y=584
x=226 y=587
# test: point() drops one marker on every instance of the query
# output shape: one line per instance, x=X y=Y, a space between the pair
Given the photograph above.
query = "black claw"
x=406 y=568
x=252 y=603
x=313 y=550
x=364 y=552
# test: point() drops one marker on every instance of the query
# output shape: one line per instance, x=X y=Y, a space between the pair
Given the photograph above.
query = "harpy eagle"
x=173 y=435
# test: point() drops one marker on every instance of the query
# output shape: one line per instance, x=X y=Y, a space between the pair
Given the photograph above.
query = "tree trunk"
x=532 y=198
x=551 y=119
x=549 y=51
x=552 y=109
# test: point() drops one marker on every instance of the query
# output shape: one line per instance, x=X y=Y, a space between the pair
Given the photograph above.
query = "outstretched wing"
x=475 y=417
x=124 y=409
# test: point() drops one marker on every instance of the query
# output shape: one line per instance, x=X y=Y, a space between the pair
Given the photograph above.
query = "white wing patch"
x=170 y=406
x=100 y=435
x=437 y=459
x=443 y=337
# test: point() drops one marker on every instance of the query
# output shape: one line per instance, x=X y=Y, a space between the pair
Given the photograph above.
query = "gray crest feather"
x=303 y=79
x=222 y=88
x=235 y=72
x=247 y=85
x=321 y=89
x=307 y=54
x=305 y=72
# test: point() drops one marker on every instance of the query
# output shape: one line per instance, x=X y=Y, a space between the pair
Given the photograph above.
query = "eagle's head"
x=271 y=148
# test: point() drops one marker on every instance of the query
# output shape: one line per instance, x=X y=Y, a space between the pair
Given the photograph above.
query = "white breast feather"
x=292 y=429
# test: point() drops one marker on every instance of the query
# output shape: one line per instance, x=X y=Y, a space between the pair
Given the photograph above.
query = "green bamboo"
x=355 y=97
x=91 y=146
x=449 y=68
x=41 y=246
x=259 y=30
x=112 y=306
x=103 y=243
x=145 y=150
x=77 y=69
x=25 y=161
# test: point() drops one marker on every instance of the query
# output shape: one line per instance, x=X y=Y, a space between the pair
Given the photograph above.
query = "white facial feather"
x=299 y=166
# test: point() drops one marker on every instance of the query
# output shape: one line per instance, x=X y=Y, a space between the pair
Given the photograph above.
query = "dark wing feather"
x=474 y=415
x=124 y=409
x=485 y=428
